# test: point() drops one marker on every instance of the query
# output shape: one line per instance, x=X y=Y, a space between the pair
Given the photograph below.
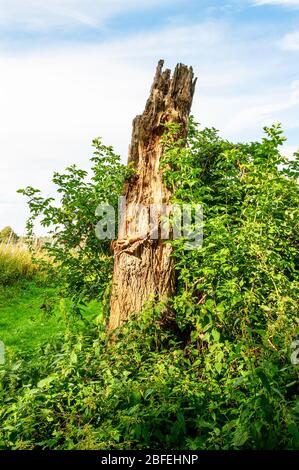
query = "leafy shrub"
x=147 y=391
x=82 y=263
x=224 y=379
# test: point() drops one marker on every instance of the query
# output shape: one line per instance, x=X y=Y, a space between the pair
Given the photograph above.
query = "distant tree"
x=7 y=234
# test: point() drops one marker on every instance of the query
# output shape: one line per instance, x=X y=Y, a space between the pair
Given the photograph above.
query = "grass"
x=26 y=317
x=15 y=263
x=32 y=312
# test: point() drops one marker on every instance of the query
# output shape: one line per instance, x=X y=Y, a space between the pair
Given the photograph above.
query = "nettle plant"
x=82 y=262
x=224 y=377
x=247 y=267
x=237 y=296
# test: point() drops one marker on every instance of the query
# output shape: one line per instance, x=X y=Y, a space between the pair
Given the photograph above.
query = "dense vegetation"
x=223 y=377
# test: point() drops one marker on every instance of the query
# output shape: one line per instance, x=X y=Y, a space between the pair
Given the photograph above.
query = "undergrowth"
x=226 y=377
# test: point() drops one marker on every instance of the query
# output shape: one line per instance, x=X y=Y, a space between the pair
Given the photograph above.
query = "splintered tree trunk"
x=143 y=267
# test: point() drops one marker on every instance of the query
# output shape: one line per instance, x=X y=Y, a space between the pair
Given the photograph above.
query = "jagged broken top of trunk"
x=170 y=100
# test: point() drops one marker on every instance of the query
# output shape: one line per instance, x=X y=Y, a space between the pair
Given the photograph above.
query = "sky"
x=73 y=70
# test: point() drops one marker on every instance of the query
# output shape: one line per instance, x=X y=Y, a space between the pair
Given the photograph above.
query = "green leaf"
x=264 y=379
x=47 y=381
x=240 y=437
x=73 y=357
x=216 y=335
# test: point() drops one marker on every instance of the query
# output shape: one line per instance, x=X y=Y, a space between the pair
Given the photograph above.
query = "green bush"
x=148 y=391
x=223 y=379
x=82 y=263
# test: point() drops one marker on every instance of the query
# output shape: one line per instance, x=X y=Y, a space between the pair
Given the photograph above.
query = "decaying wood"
x=143 y=267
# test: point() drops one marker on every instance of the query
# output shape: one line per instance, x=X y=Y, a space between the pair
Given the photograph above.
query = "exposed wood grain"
x=143 y=267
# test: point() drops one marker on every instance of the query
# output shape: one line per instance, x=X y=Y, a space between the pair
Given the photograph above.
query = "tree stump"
x=143 y=266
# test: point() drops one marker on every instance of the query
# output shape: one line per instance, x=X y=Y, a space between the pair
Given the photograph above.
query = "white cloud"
x=36 y=15
x=289 y=150
x=178 y=41
x=287 y=3
x=266 y=108
x=54 y=102
x=290 y=42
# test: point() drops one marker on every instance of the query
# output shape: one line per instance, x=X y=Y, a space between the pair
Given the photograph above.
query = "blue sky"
x=72 y=70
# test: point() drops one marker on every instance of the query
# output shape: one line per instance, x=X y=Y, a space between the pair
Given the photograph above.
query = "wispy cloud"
x=267 y=108
x=286 y=3
x=38 y=15
x=290 y=42
x=178 y=41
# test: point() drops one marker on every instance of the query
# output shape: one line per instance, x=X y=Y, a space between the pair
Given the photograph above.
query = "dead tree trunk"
x=143 y=267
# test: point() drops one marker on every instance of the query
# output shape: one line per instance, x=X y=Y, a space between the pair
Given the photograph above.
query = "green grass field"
x=26 y=317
